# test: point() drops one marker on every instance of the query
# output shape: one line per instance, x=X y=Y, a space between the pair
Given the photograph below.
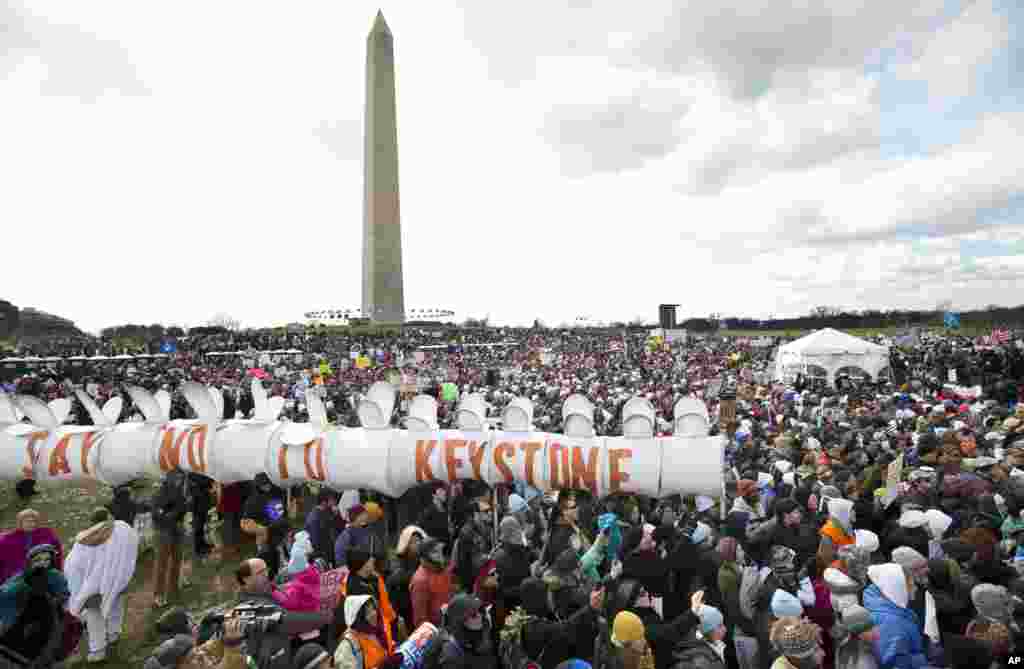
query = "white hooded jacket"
x=104 y=569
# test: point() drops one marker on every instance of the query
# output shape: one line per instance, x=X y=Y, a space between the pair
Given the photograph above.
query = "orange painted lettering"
x=424 y=448
x=476 y=458
x=314 y=469
x=29 y=470
x=282 y=462
x=178 y=443
x=197 y=446
x=451 y=462
x=530 y=449
x=500 y=451
x=59 y=457
x=87 y=444
x=584 y=474
x=616 y=477
x=170 y=451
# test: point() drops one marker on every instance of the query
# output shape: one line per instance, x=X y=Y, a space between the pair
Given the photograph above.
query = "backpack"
x=750 y=587
x=510 y=648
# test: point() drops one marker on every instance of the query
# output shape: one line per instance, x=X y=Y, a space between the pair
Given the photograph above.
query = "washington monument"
x=383 y=292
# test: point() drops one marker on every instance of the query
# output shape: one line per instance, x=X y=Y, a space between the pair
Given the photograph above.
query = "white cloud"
x=73 y=62
x=555 y=160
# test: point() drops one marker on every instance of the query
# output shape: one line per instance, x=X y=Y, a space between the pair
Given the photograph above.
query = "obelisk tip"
x=379 y=24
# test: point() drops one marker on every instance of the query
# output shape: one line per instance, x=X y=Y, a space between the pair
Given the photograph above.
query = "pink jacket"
x=302 y=593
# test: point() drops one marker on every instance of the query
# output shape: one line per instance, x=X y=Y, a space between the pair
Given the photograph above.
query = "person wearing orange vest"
x=364 y=645
x=363 y=579
x=837 y=531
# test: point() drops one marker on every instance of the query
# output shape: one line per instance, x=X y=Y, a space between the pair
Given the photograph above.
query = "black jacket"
x=170 y=506
x=551 y=641
x=434 y=522
x=261 y=508
x=649 y=569
x=513 y=563
x=694 y=653
x=124 y=508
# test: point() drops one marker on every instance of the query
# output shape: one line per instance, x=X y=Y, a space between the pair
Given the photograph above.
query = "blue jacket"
x=351 y=537
x=9 y=591
x=900 y=645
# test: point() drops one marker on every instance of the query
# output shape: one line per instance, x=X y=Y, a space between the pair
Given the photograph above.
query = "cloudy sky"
x=162 y=162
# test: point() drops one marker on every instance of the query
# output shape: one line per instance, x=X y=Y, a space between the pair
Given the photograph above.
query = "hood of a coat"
x=96 y=535
x=839 y=583
x=353 y=605
x=890 y=581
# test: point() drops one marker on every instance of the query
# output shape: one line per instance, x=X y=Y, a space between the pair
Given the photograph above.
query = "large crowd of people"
x=867 y=523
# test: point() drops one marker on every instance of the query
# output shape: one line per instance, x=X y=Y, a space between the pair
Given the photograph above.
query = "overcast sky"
x=162 y=162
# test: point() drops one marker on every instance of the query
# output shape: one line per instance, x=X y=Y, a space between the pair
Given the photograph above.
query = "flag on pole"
x=1000 y=337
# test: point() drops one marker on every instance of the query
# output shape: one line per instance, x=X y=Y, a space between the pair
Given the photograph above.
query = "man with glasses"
x=270 y=629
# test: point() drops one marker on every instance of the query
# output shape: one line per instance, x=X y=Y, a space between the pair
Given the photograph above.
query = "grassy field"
x=67 y=510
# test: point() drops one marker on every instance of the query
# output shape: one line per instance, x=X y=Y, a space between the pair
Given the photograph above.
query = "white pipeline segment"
x=387 y=460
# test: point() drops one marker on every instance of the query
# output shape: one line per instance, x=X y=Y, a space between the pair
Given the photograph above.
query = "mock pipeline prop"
x=375 y=456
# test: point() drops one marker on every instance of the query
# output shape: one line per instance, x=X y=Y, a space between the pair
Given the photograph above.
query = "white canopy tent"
x=830 y=350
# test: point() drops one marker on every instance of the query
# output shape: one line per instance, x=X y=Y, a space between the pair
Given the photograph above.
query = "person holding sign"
x=564 y=533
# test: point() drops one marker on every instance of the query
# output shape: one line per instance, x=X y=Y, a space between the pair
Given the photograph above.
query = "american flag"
x=1000 y=336
x=615 y=345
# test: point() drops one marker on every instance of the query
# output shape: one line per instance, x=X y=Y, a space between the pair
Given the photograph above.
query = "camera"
x=255 y=618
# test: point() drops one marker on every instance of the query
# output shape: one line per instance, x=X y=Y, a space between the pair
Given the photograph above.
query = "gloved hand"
x=393 y=661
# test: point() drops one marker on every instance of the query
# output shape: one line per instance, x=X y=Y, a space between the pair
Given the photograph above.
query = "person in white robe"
x=99 y=568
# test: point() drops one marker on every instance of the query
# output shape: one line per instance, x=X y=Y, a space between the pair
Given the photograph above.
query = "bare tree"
x=224 y=320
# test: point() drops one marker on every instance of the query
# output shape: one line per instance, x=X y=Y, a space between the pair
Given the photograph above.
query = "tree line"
x=992 y=316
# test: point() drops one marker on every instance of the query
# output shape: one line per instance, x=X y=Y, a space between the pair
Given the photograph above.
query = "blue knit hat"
x=710 y=619
x=785 y=604
x=700 y=533
x=516 y=503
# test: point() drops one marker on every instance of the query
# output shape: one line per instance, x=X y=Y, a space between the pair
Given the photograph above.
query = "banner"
x=414 y=648
x=330 y=589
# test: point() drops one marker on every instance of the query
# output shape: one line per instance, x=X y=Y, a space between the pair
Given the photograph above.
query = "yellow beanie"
x=627 y=627
x=374 y=512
